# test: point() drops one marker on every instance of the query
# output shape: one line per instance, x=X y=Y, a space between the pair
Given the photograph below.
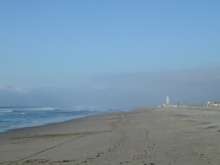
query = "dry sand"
x=144 y=137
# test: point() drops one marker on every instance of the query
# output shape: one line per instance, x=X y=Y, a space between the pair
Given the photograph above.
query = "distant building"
x=213 y=104
x=167 y=100
x=168 y=104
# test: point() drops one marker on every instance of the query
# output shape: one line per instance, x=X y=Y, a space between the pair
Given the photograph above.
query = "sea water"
x=20 y=117
x=17 y=117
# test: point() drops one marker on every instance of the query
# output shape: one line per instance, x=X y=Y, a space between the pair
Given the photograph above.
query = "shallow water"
x=11 y=118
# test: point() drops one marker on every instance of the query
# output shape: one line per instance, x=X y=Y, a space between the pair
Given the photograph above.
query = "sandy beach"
x=142 y=137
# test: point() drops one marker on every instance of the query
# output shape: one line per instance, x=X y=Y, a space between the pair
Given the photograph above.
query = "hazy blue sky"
x=74 y=48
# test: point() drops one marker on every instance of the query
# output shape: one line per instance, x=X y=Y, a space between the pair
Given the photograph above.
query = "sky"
x=108 y=52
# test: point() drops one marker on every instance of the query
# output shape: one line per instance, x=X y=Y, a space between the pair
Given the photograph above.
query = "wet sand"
x=143 y=137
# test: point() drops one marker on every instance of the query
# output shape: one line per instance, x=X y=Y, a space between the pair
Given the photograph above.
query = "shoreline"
x=63 y=123
x=40 y=125
x=52 y=124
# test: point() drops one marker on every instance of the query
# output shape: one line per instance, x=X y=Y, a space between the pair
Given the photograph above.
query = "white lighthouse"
x=167 y=100
x=168 y=104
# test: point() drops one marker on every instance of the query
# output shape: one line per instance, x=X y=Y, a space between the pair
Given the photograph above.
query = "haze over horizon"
x=109 y=53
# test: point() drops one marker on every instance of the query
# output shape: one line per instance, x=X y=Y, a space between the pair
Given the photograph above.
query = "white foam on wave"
x=6 y=110
x=40 y=109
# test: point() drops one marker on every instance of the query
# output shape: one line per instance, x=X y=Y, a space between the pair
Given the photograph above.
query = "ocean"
x=21 y=117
